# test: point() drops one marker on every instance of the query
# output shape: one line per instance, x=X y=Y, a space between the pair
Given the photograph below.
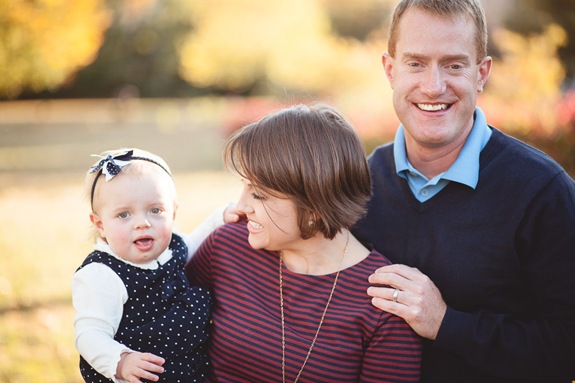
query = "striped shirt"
x=357 y=342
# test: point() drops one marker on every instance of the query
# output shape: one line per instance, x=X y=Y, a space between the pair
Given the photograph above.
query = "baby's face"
x=136 y=214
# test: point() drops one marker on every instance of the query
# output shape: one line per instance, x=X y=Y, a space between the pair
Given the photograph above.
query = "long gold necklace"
x=320 y=321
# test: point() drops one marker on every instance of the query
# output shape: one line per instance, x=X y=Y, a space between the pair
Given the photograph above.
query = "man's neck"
x=432 y=160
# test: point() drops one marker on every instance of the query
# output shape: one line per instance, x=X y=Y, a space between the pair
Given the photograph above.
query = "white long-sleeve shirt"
x=98 y=296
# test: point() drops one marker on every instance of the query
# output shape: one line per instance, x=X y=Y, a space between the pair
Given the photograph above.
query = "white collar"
x=102 y=245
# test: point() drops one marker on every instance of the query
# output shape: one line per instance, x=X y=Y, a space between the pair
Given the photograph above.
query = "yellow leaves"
x=531 y=60
x=235 y=43
x=232 y=40
x=43 y=42
x=289 y=47
x=526 y=80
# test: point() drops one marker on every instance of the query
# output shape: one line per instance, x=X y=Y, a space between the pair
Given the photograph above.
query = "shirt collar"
x=465 y=169
x=103 y=246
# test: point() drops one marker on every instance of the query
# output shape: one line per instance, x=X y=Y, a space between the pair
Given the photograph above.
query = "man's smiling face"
x=435 y=76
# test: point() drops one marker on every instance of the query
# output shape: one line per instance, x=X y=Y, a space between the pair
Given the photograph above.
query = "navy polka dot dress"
x=163 y=315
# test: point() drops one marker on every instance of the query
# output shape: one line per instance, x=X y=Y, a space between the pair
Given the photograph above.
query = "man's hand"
x=134 y=366
x=411 y=295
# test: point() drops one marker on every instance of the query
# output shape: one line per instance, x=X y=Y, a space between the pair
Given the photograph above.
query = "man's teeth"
x=255 y=225
x=432 y=107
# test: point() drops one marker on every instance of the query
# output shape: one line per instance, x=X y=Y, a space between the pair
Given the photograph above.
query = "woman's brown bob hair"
x=312 y=155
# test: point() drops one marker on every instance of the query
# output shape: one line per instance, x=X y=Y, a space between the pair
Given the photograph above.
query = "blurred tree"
x=524 y=88
x=276 y=46
x=532 y=16
x=43 y=42
x=359 y=18
x=139 y=55
x=154 y=49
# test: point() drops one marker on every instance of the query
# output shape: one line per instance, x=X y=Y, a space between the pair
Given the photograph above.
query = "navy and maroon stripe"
x=357 y=342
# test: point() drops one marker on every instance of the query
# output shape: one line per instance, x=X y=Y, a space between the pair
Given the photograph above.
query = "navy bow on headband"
x=112 y=165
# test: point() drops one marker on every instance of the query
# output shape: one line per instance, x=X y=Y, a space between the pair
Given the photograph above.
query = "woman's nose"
x=243 y=205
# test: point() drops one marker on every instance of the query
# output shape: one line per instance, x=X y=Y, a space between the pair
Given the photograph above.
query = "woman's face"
x=272 y=221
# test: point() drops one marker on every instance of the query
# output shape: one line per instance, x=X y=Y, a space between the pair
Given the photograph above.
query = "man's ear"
x=484 y=71
x=388 y=64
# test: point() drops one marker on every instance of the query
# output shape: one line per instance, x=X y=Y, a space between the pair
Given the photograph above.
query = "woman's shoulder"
x=367 y=266
x=228 y=237
x=377 y=257
x=232 y=229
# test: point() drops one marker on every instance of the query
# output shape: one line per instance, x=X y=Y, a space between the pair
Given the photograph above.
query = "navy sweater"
x=502 y=255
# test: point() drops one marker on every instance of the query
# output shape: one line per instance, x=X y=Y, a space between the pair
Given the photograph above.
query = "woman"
x=290 y=281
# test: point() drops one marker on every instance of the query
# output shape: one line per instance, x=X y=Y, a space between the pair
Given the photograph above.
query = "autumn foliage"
x=283 y=51
x=44 y=42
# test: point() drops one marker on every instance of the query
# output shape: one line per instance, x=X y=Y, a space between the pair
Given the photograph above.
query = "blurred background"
x=176 y=77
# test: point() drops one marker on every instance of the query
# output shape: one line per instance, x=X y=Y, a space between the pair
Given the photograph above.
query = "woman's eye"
x=258 y=196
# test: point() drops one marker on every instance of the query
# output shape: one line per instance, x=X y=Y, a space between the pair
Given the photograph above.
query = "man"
x=480 y=226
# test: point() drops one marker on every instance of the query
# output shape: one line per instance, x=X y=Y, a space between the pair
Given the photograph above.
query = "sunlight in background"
x=43 y=42
x=176 y=77
x=299 y=50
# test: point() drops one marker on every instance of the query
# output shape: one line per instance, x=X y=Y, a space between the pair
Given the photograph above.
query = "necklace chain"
x=320 y=321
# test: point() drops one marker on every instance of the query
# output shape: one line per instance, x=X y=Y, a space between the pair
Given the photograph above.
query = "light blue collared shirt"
x=464 y=170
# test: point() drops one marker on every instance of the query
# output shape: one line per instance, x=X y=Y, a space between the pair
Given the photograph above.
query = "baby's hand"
x=136 y=365
x=231 y=214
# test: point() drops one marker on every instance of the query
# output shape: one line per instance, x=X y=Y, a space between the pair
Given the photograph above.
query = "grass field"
x=44 y=151
x=44 y=238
